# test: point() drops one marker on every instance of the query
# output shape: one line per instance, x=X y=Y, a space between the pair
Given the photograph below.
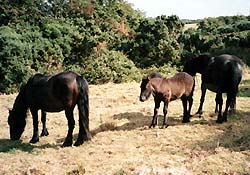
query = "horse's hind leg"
x=230 y=99
x=44 y=129
x=220 y=103
x=232 y=105
x=35 y=137
x=217 y=99
x=84 y=133
x=71 y=125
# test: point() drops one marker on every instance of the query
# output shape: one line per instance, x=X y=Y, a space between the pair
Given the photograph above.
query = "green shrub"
x=109 y=66
x=14 y=65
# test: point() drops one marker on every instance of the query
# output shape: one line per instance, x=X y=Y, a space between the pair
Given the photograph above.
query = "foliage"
x=109 y=66
x=219 y=35
x=155 y=41
x=52 y=36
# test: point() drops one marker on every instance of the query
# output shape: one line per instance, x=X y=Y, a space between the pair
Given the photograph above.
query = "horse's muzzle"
x=143 y=98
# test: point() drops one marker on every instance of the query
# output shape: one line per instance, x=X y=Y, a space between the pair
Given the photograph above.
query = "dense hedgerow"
x=52 y=36
x=109 y=66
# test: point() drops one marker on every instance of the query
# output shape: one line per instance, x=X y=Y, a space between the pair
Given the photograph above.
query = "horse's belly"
x=52 y=108
x=212 y=87
x=48 y=105
x=53 y=105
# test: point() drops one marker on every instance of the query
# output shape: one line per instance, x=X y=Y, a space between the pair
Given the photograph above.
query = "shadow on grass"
x=137 y=120
x=7 y=145
x=235 y=135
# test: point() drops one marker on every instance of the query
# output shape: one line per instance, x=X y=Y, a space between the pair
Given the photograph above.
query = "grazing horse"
x=55 y=93
x=168 y=89
x=220 y=74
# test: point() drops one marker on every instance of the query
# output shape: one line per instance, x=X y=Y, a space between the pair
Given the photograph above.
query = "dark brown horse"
x=55 y=93
x=168 y=89
x=220 y=74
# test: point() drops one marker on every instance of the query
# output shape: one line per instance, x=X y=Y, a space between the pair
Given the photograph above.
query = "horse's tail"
x=83 y=101
x=192 y=92
x=236 y=71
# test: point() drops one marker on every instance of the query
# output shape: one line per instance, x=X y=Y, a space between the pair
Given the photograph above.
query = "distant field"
x=123 y=144
x=187 y=26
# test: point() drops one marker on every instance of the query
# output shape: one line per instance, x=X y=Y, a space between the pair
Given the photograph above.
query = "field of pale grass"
x=123 y=144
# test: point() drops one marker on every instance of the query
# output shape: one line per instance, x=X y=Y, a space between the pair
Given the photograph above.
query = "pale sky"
x=192 y=9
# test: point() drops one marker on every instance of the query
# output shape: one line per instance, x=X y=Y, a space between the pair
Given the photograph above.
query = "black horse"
x=180 y=86
x=220 y=74
x=55 y=93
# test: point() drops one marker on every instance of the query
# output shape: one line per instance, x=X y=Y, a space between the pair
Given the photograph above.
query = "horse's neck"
x=202 y=67
x=20 y=103
x=156 y=83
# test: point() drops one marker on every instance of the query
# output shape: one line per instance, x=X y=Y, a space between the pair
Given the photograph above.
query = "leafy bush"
x=166 y=70
x=14 y=67
x=109 y=66
x=155 y=43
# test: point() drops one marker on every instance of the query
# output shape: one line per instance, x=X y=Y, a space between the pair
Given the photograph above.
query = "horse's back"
x=53 y=93
x=231 y=58
x=181 y=83
x=224 y=72
x=37 y=80
x=231 y=66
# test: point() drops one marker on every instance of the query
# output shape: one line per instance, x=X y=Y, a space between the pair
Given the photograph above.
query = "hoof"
x=152 y=126
x=78 y=143
x=44 y=133
x=164 y=126
x=34 y=140
x=186 y=121
x=199 y=112
x=220 y=121
x=67 y=144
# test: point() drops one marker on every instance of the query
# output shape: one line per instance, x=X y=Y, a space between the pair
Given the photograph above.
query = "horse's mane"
x=20 y=104
x=37 y=79
x=155 y=75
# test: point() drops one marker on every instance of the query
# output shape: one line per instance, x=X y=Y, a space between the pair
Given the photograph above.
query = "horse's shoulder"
x=37 y=79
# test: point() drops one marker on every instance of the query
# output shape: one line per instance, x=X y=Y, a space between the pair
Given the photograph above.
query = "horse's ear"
x=8 y=108
x=145 y=77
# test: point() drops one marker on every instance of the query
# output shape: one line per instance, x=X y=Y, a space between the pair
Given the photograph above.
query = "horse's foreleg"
x=203 y=93
x=186 y=116
x=35 y=137
x=44 y=129
x=155 y=118
x=71 y=125
x=165 y=111
x=219 y=101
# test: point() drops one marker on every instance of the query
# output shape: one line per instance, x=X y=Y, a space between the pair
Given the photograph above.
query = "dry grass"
x=123 y=144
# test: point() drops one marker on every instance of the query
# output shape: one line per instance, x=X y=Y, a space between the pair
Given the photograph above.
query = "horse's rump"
x=181 y=83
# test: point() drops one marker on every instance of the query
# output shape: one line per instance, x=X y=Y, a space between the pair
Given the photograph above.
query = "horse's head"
x=189 y=68
x=197 y=64
x=16 y=123
x=146 y=89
